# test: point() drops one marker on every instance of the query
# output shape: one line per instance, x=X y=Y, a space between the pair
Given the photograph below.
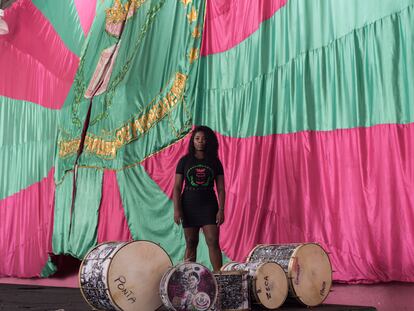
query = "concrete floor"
x=63 y=294
x=45 y=298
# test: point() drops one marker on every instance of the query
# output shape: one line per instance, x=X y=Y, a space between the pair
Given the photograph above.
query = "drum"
x=188 y=286
x=268 y=282
x=307 y=266
x=233 y=290
x=123 y=275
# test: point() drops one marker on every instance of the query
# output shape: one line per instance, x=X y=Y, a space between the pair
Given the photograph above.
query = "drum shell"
x=233 y=291
x=94 y=283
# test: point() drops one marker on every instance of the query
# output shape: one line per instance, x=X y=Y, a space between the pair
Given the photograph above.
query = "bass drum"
x=123 y=275
x=188 y=286
x=308 y=269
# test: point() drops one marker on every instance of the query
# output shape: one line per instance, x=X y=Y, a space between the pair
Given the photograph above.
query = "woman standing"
x=197 y=207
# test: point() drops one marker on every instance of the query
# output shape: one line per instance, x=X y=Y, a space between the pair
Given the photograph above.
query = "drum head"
x=134 y=275
x=310 y=274
x=270 y=285
x=191 y=286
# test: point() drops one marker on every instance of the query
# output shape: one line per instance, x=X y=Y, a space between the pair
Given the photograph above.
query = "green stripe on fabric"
x=83 y=235
x=313 y=66
x=49 y=269
x=149 y=213
x=27 y=144
x=65 y=20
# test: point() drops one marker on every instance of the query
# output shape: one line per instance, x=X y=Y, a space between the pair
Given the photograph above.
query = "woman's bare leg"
x=191 y=241
x=211 y=233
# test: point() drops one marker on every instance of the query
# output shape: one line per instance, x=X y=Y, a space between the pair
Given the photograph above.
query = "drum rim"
x=135 y=241
x=171 y=272
x=82 y=264
x=231 y=272
x=255 y=279
x=289 y=273
x=227 y=264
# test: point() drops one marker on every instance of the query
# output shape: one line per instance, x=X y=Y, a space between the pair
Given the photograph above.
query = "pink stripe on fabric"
x=161 y=166
x=112 y=225
x=350 y=190
x=229 y=22
x=86 y=13
x=26 y=226
x=36 y=65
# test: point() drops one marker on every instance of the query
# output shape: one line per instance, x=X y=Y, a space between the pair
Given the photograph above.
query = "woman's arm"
x=178 y=186
x=221 y=198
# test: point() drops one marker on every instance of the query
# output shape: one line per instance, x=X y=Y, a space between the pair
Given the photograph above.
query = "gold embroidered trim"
x=192 y=16
x=186 y=2
x=124 y=167
x=132 y=129
x=193 y=56
x=196 y=32
x=118 y=13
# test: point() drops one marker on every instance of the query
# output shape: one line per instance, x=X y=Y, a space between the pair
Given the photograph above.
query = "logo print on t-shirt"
x=200 y=175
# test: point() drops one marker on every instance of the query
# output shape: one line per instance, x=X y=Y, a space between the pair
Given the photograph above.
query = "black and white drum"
x=268 y=282
x=233 y=290
x=307 y=266
x=123 y=275
x=188 y=286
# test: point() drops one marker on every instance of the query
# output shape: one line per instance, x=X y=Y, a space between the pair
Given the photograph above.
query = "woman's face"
x=199 y=141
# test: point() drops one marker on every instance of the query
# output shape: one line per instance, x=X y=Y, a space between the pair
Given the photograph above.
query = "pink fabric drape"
x=161 y=166
x=112 y=225
x=36 y=65
x=229 y=22
x=26 y=225
x=350 y=190
x=86 y=13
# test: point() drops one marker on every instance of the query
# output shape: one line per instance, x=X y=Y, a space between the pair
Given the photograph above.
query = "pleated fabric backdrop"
x=312 y=102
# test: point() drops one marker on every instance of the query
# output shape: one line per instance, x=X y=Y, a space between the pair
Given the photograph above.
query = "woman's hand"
x=220 y=217
x=178 y=216
x=178 y=185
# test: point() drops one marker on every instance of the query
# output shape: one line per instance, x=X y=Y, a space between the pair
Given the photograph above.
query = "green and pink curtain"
x=312 y=102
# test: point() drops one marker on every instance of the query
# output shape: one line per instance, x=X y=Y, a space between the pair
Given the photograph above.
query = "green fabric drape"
x=150 y=63
x=353 y=73
x=27 y=146
x=83 y=233
x=148 y=100
x=65 y=20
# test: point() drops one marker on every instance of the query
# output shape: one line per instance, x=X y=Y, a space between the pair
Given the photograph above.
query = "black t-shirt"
x=199 y=201
x=199 y=174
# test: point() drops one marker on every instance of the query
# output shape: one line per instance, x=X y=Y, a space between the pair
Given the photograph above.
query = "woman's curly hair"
x=212 y=145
